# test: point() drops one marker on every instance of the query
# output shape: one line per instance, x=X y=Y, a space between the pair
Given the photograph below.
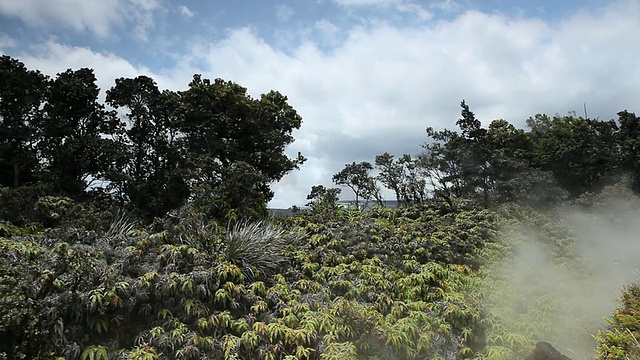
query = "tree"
x=81 y=142
x=581 y=153
x=456 y=164
x=405 y=176
x=475 y=155
x=22 y=93
x=391 y=173
x=494 y=165
x=153 y=180
x=629 y=142
x=223 y=126
x=237 y=193
x=322 y=198
x=470 y=126
x=509 y=158
x=356 y=177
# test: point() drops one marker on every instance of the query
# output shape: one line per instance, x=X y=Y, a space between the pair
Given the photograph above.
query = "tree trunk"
x=16 y=173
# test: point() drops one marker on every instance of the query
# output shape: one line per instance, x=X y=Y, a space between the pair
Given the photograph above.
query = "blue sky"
x=367 y=76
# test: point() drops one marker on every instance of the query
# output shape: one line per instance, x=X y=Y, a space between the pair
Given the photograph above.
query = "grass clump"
x=258 y=247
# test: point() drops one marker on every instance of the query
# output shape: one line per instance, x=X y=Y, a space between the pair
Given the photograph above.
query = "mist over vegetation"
x=566 y=270
x=144 y=233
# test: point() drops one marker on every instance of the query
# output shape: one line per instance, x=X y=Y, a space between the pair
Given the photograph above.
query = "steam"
x=564 y=275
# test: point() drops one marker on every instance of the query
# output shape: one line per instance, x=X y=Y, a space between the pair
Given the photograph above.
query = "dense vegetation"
x=138 y=230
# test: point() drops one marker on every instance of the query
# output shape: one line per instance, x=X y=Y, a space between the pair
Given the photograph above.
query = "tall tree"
x=235 y=194
x=153 y=179
x=457 y=163
x=493 y=165
x=406 y=176
x=322 y=197
x=357 y=178
x=475 y=155
x=22 y=93
x=391 y=173
x=508 y=153
x=80 y=144
x=223 y=126
x=441 y=159
x=511 y=174
x=581 y=153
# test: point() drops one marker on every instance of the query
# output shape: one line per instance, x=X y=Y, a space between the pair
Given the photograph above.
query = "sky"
x=367 y=76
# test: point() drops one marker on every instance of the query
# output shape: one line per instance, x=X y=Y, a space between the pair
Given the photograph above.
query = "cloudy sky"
x=367 y=76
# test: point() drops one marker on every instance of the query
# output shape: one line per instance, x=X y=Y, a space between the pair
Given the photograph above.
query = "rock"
x=545 y=351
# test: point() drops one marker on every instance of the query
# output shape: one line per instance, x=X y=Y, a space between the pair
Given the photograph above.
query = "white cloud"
x=403 y=6
x=140 y=13
x=328 y=32
x=384 y=85
x=52 y=58
x=96 y=16
x=380 y=87
x=284 y=12
x=185 y=11
x=415 y=9
x=365 y=2
x=446 y=5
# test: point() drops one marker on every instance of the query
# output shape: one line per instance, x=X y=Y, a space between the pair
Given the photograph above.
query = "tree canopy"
x=211 y=145
x=22 y=92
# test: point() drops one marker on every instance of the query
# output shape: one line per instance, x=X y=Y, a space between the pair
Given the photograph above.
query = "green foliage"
x=323 y=201
x=153 y=180
x=620 y=341
x=413 y=282
x=629 y=139
x=18 y=204
x=212 y=145
x=559 y=157
x=234 y=145
x=238 y=194
x=80 y=144
x=191 y=289
x=523 y=295
x=31 y=208
x=577 y=151
x=405 y=176
x=94 y=352
x=22 y=93
x=356 y=177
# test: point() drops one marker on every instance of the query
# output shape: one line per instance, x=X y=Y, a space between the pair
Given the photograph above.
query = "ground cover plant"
x=193 y=289
x=418 y=282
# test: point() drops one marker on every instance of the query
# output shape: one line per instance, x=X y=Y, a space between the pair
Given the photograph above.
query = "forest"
x=138 y=228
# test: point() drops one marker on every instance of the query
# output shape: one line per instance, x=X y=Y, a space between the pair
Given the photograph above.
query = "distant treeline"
x=555 y=159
